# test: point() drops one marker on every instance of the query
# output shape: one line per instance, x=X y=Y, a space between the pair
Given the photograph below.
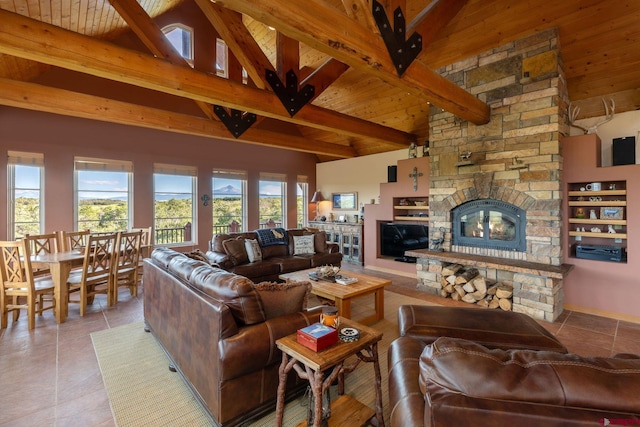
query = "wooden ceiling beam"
x=360 y=11
x=32 y=96
x=232 y=30
x=287 y=55
x=334 y=33
x=323 y=76
x=153 y=38
x=38 y=41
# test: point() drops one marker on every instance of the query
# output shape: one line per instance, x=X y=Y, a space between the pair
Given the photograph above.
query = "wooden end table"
x=343 y=294
x=312 y=366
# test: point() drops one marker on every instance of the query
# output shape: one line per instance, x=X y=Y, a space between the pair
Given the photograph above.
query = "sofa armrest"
x=333 y=248
x=254 y=346
x=223 y=260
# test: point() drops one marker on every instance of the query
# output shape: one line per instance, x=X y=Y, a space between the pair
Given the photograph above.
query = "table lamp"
x=317 y=198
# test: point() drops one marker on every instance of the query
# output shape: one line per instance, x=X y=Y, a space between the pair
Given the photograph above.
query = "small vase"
x=329 y=317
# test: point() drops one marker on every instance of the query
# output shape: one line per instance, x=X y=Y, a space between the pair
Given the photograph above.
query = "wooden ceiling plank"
x=326 y=29
x=43 y=98
x=323 y=76
x=48 y=44
x=153 y=38
x=434 y=18
x=239 y=40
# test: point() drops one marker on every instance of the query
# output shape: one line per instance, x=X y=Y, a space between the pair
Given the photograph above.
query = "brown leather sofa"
x=276 y=259
x=220 y=333
x=448 y=380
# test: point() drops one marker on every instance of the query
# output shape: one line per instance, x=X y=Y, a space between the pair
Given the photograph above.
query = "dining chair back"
x=70 y=240
x=40 y=244
x=19 y=282
x=97 y=269
x=147 y=235
x=125 y=271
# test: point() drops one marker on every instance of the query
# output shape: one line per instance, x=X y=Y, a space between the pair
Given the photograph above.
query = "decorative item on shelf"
x=595 y=199
x=579 y=213
x=611 y=212
x=592 y=214
x=596 y=230
x=611 y=230
x=413 y=151
x=317 y=198
x=612 y=186
x=404 y=202
x=594 y=186
x=331 y=217
x=329 y=317
x=425 y=149
x=420 y=202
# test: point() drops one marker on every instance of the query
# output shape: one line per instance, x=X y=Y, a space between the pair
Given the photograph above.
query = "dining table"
x=60 y=265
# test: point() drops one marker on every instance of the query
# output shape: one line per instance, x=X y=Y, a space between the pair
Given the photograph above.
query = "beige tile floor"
x=50 y=376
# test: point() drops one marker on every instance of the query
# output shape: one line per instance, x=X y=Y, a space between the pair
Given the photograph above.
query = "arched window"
x=181 y=37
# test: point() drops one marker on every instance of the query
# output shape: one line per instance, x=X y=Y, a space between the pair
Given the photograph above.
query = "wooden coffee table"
x=343 y=294
x=323 y=367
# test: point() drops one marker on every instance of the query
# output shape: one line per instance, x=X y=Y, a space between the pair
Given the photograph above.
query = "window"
x=26 y=180
x=174 y=203
x=302 y=206
x=181 y=37
x=272 y=188
x=103 y=194
x=229 y=201
x=222 y=59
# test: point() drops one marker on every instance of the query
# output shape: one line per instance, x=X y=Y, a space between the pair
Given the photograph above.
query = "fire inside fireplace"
x=488 y=223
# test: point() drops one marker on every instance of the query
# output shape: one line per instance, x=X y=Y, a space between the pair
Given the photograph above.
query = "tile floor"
x=50 y=376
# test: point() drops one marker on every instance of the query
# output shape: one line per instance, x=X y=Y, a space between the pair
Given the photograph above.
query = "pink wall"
x=373 y=214
x=61 y=138
x=599 y=287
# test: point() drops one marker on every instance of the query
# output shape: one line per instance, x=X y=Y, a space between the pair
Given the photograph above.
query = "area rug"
x=143 y=392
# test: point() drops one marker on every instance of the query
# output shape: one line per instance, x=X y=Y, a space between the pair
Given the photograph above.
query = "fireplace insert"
x=395 y=238
x=491 y=224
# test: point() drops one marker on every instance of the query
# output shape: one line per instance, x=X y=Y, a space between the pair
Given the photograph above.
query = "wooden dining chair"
x=125 y=270
x=70 y=240
x=42 y=244
x=97 y=269
x=146 y=247
x=18 y=282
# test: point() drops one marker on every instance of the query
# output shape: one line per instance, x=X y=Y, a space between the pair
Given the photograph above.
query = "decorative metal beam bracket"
x=291 y=98
x=237 y=122
x=402 y=51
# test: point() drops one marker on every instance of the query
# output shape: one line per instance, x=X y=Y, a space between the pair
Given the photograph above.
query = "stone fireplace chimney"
x=516 y=157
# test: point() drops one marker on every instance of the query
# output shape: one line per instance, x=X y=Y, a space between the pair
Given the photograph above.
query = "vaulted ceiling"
x=108 y=60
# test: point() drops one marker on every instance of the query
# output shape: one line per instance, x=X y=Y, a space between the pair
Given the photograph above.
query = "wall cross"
x=415 y=176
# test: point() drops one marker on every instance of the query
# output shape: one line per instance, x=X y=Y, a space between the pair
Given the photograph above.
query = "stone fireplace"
x=513 y=162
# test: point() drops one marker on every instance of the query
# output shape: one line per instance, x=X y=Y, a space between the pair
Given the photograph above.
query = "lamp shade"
x=317 y=197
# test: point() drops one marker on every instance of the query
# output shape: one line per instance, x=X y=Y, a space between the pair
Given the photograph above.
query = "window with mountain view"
x=229 y=201
x=174 y=210
x=25 y=181
x=103 y=194
x=272 y=191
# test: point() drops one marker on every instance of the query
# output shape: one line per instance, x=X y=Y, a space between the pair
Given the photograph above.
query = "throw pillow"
x=236 y=250
x=280 y=299
x=271 y=236
x=253 y=250
x=197 y=254
x=320 y=242
x=303 y=245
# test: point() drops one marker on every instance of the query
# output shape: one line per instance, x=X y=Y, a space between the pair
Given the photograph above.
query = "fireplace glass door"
x=489 y=224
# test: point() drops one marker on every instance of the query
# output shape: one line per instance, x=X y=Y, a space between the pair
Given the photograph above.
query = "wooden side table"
x=312 y=366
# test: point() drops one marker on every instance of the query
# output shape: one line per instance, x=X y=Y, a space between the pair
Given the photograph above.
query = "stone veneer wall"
x=516 y=157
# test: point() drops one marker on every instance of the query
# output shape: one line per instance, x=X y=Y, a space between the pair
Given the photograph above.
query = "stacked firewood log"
x=466 y=284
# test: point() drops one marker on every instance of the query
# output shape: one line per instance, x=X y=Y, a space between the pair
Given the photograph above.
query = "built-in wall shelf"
x=604 y=235
x=411 y=218
x=410 y=209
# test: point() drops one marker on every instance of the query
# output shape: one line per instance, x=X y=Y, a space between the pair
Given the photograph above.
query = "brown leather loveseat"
x=279 y=252
x=453 y=381
x=220 y=330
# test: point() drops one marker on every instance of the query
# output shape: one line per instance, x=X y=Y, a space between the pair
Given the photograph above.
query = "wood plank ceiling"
x=107 y=60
